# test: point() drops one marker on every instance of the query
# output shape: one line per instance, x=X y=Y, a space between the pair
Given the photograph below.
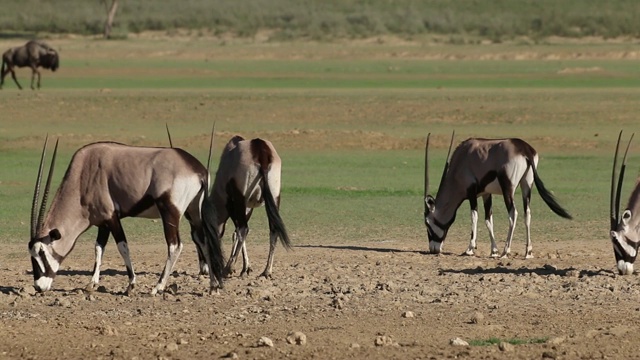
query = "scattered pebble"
x=477 y=318
x=549 y=355
x=231 y=355
x=355 y=346
x=171 y=347
x=62 y=302
x=555 y=340
x=265 y=341
x=408 y=314
x=458 y=342
x=384 y=340
x=297 y=338
x=505 y=346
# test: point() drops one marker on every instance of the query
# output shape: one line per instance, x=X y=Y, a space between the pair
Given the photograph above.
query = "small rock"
x=297 y=338
x=384 y=340
x=62 y=302
x=505 y=346
x=182 y=341
x=572 y=273
x=90 y=298
x=171 y=347
x=408 y=314
x=231 y=355
x=355 y=346
x=108 y=331
x=27 y=291
x=477 y=318
x=337 y=304
x=549 y=355
x=265 y=341
x=458 y=342
x=555 y=340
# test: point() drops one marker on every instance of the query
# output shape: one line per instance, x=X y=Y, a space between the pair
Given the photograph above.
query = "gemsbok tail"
x=546 y=195
x=212 y=238
x=276 y=225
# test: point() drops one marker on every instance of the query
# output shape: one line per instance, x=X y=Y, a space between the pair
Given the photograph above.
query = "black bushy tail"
x=2 y=70
x=212 y=238
x=276 y=225
x=546 y=195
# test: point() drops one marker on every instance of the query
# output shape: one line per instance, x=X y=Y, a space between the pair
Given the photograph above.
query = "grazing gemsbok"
x=625 y=230
x=481 y=167
x=33 y=54
x=248 y=176
x=108 y=181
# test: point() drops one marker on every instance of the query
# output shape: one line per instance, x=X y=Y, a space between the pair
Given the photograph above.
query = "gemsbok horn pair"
x=108 y=181
x=625 y=229
x=482 y=167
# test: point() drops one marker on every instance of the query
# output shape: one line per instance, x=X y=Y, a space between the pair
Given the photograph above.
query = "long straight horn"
x=36 y=192
x=446 y=164
x=613 y=212
x=168 y=134
x=47 y=187
x=213 y=130
x=621 y=179
x=426 y=167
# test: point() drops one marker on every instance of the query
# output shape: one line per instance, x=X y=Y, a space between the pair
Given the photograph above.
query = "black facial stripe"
x=48 y=272
x=37 y=273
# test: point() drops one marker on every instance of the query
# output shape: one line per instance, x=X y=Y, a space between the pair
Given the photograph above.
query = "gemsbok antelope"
x=482 y=167
x=33 y=54
x=625 y=230
x=108 y=181
x=248 y=176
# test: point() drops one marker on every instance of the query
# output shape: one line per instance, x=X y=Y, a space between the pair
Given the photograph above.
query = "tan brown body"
x=482 y=167
x=248 y=176
x=106 y=182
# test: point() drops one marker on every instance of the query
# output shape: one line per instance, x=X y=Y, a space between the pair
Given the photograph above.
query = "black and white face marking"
x=436 y=232
x=45 y=264
x=624 y=248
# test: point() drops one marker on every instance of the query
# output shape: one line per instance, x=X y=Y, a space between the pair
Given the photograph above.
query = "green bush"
x=330 y=19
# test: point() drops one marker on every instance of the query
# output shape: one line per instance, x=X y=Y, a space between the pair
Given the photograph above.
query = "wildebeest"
x=248 y=176
x=33 y=54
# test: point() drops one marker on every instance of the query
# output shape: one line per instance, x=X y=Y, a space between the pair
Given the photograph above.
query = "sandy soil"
x=380 y=300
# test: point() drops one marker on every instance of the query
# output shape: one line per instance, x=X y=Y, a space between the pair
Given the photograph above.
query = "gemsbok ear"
x=430 y=203
x=55 y=234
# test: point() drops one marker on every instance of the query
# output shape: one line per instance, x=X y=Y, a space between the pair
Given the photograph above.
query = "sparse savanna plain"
x=349 y=120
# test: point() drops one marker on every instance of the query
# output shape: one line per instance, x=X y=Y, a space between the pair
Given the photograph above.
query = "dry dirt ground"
x=380 y=300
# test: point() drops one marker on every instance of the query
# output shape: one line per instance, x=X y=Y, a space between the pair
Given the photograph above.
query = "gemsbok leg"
x=101 y=242
x=488 y=221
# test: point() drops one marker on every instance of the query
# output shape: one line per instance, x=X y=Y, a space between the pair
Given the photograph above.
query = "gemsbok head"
x=108 y=181
x=482 y=167
x=248 y=176
x=625 y=229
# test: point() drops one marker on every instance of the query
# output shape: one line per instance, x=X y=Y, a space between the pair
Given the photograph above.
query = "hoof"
x=469 y=252
x=91 y=287
x=529 y=256
x=130 y=290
